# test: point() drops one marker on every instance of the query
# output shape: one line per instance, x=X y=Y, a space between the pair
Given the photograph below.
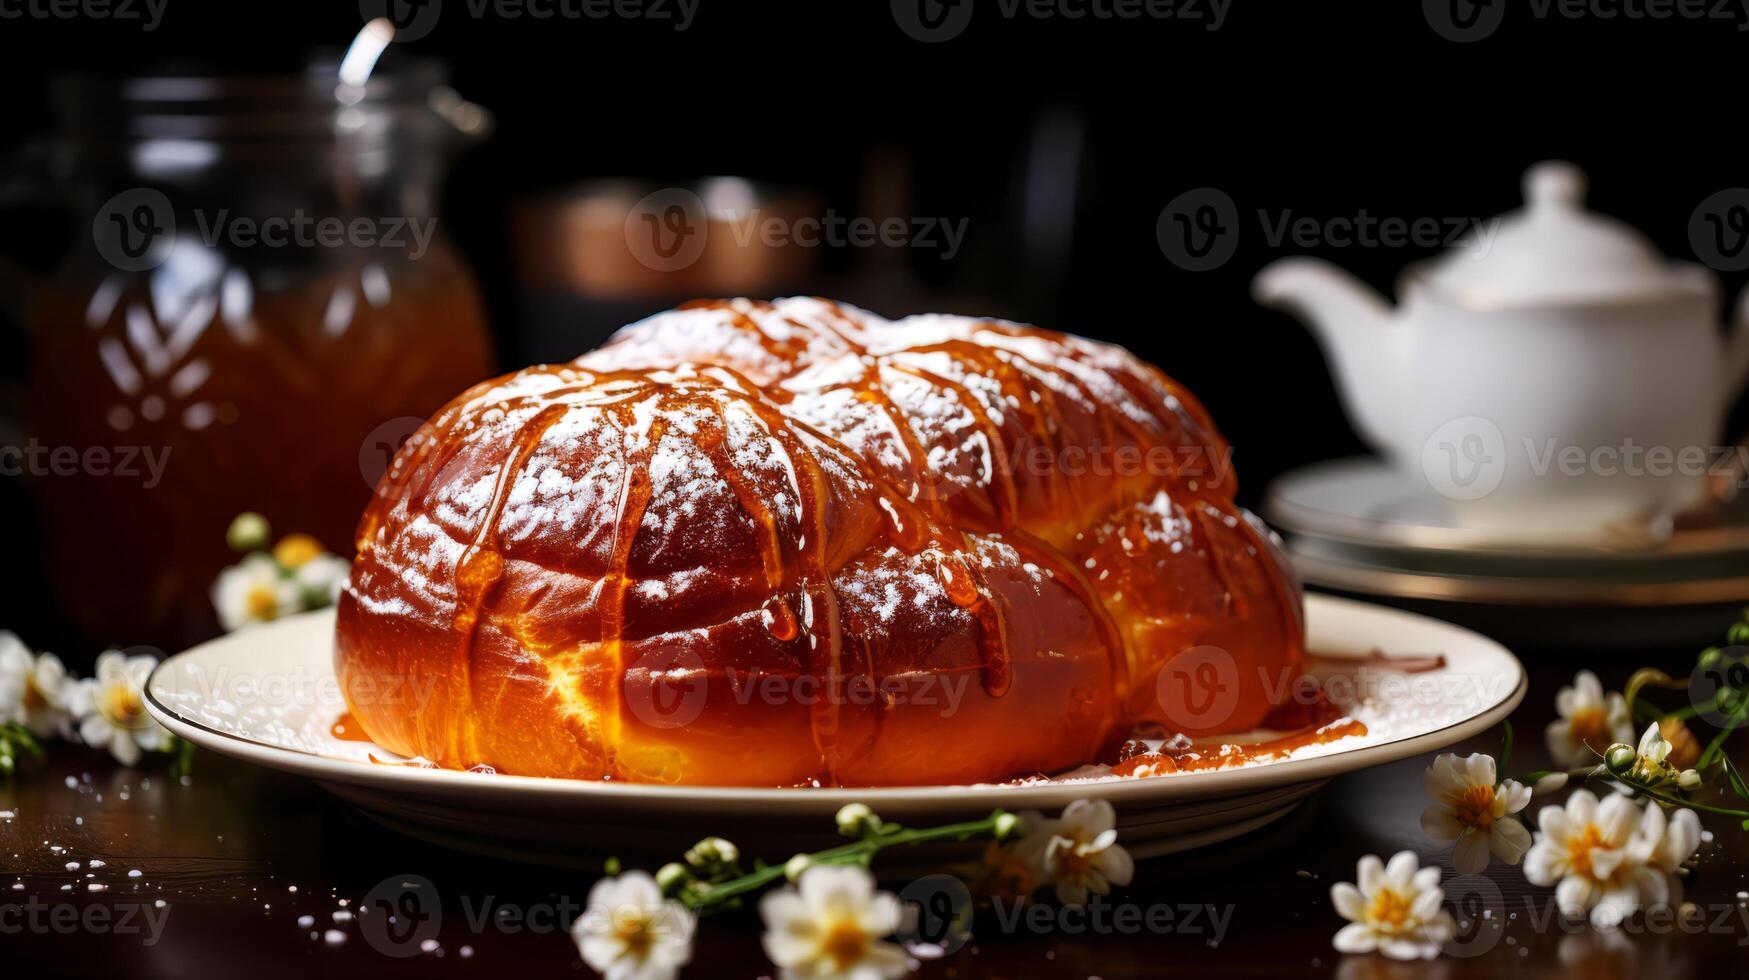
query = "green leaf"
x=1735 y=777
x=1505 y=747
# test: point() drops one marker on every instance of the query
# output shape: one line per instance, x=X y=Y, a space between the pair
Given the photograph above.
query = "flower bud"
x=712 y=852
x=249 y=531
x=856 y=820
x=1554 y=782
x=671 y=876
x=1620 y=759
x=1007 y=825
x=793 y=868
x=1688 y=779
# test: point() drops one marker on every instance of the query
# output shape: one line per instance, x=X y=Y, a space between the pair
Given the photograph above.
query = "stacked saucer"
x=1360 y=527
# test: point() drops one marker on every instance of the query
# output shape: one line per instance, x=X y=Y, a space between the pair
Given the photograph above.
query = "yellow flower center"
x=1474 y=807
x=262 y=602
x=1388 y=911
x=1580 y=846
x=294 y=550
x=33 y=696
x=1590 y=727
x=845 y=943
x=634 y=932
x=121 y=705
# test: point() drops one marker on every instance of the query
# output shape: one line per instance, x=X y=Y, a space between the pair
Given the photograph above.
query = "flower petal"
x=1439 y=823
x=1470 y=856
x=1401 y=869
x=1355 y=938
x=1509 y=840
x=1349 y=903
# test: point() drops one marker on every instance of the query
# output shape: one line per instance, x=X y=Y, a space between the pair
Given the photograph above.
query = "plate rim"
x=1182 y=787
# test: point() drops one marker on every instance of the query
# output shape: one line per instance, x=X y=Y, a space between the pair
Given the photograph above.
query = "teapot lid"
x=1552 y=251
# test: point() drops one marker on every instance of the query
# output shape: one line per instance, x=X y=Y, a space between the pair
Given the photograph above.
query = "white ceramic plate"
x=268 y=695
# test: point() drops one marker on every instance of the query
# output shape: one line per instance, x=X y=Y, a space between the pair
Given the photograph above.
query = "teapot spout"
x=1352 y=323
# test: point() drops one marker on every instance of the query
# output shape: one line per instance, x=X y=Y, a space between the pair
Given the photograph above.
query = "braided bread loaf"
x=790 y=544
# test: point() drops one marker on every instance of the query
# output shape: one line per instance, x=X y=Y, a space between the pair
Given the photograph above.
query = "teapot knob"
x=1554 y=183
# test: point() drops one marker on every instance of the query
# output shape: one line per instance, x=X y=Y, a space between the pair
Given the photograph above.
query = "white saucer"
x=268 y=695
x=1360 y=526
x=1366 y=502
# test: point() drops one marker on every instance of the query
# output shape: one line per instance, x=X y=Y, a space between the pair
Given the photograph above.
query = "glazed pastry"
x=792 y=543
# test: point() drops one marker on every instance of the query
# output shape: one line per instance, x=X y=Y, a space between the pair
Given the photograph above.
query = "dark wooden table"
x=238 y=854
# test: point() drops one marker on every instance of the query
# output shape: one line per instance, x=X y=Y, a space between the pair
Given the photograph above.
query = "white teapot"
x=1557 y=380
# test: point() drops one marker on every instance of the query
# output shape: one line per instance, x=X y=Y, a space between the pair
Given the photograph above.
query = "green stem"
x=1690 y=804
x=1733 y=722
x=859 y=852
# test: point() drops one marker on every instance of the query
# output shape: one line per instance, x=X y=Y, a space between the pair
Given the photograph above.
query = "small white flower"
x=1078 y=852
x=628 y=931
x=1590 y=721
x=1396 y=909
x=832 y=924
x=1610 y=859
x=1470 y=809
x=321 y=578
x=111 y=710
x=254 y=591
x=33 y=688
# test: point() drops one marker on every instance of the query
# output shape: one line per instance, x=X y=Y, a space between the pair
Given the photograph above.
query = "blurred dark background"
x=1058 y=141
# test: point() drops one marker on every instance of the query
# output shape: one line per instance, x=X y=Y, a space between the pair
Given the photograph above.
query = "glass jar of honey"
x=260 y=305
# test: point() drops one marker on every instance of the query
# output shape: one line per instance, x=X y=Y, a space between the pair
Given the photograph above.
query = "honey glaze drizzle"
x=1300 y=724
x=482 y=564
x=636 y=488
x=819 y=600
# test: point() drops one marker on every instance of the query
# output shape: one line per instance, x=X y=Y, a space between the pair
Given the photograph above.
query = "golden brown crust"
x=789 y=543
